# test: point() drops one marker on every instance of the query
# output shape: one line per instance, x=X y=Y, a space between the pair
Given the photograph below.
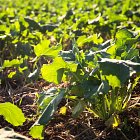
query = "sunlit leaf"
x=12 y=113
x=44 y=49
x=63 y=110
x=81 y=40
x=72 y=66
x=14 y=62
x=117 y=73
x=36 y=131
x=11 y=74
x=53 y=72
x=123 y=34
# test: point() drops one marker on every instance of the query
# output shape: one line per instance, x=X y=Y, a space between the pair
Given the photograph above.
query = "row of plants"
x=83 y=44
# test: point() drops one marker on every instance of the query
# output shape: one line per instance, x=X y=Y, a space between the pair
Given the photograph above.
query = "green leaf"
x=72 y=66
x=14 y=62
x=11 y=74
x=50 y=109
x=53 y=51
x=32 y=24
x=44 y=49
x=81 y=40
x=45 y=97
x=123 y=34
x=53 y=72
x=37 y=128
x=12 y=113
x=90 y=87
x=125 y=5
x=93 y=38
x=78 y=109
x=36 y=131
x=112 y=50
x=115 y=71
x=113 y=81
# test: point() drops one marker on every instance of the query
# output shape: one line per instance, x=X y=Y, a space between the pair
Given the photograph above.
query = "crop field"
x=70 y=69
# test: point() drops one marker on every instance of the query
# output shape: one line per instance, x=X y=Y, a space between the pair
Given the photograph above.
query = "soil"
x=64 y=127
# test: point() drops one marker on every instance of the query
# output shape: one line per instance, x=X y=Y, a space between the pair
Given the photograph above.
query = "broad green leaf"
x=90 y=87
x=72 y=66
x=44 y=49
x=93 y=38
x=116 y=72
x=97 y=39
x=12 y=113
x=124 y=47
x=116 y=18
x=77 y=91
x=123 y=34
x=113 y=81
x=53 y=72
x=50 y=109
x=53 y=51
x=36 y=131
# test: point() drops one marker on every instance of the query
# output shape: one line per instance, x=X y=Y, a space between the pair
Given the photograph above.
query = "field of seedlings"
x=70 y=69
